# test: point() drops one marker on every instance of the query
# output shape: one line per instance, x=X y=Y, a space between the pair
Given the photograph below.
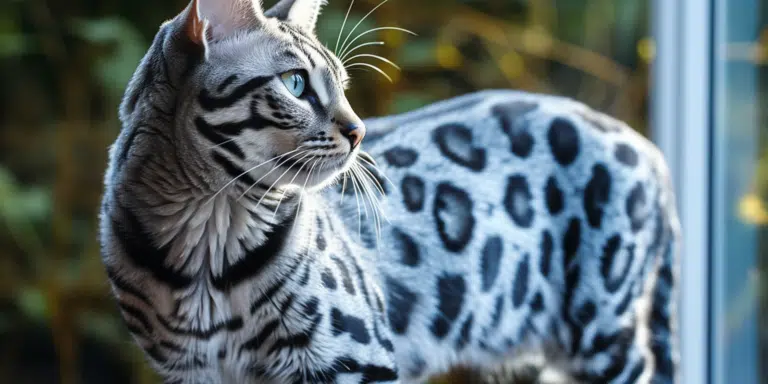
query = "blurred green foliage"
x=64 y=65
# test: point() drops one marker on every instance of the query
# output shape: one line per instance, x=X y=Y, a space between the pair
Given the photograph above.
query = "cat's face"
x=268 y=99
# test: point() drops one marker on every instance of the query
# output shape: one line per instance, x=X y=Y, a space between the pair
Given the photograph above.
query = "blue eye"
x=295 y=82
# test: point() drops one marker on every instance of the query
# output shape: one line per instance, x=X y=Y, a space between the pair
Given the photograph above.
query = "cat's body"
x=519 y=226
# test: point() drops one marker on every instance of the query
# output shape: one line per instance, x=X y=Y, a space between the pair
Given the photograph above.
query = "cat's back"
x=501 y=206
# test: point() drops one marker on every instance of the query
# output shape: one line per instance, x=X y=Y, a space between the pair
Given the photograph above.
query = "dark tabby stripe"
x=138 y=247
x=371 y=373
x=154 y=353
x=211 y=103
x=300 y=340
x=230 y=325
x=124 y=286
x=256 y=259
x=233 y=170
x=217 y=139
x=227 y=82
x=272 y=291
x=258 y=340
x=172 y=346
x=139 y=316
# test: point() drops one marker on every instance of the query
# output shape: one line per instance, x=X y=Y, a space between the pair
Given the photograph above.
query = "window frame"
x=681 y=118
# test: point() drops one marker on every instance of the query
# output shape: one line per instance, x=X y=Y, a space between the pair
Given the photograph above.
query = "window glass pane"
x=740 y=195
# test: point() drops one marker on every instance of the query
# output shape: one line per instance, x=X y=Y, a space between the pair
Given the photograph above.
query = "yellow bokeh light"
x=448 y=56
x=512 y=65
x=536 y=40
x=646 y=49
x=752 y=210
x=393 y=38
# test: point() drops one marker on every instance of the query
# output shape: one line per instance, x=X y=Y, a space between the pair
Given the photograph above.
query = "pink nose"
x=354 y=133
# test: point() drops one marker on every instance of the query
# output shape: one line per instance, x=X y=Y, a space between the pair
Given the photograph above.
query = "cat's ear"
x=208 y=20
x=302 y=13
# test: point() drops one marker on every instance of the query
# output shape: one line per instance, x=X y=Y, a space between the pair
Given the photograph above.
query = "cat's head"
x=249 y=91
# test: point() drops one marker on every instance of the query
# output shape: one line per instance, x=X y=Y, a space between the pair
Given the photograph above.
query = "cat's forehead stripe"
x=303 y=42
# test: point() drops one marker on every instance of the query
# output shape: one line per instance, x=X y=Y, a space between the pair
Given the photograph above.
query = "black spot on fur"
x=596 y=195
x=517 y=201
x=346 y=278
x=635 y=207
x=498 y=309
x=490 y=262
x=547 y=246
x=571 y=241
x=520 y=283
x=537 y=303
x=409 y=250
x=611 y=247
x=465 y=333
x=320 y=240
x=453 y=215
x=586 y=313
x=305 y=275
x=310 y=307
x=401 y=157
x=572 y=277
x=563 y=141
x=412 y=189
x=401 y=302
x=626 y=155
x=612 y=280
x=417 y=365
x=628 y=298
x=328 y=280
x=554 y=196
x=355 y=326
x=451 y=290
x=510 y=115
x=455 y=142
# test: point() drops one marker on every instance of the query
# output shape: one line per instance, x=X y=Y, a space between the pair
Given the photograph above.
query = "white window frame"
x=681 y=116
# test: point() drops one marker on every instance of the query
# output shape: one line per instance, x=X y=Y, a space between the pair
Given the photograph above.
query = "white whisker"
x=374 y=208
x=275 y=183
x=250 y=170
x=372 y=56
x=344 y=44
x=360 y=46
x=290 y=182
x=359 y=214
x=301 y=196
x=372 y=67
x=343 y=52
x=381 y=211
x=351 y=3
x=222 y=143
x=343 y=186
x=277 y=166
x=380 y=172
x=366 y=172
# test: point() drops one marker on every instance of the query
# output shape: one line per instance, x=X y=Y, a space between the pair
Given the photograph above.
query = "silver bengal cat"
x=248 y=237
